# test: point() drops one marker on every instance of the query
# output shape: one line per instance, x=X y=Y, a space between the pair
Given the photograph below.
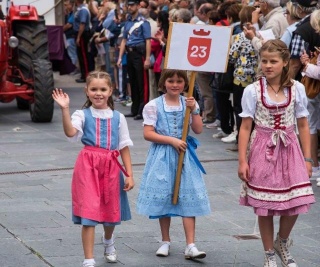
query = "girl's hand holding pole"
x=179 y=145
x=191 y=103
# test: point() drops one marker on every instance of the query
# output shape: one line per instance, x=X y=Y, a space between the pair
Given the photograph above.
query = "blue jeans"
x=72 y=50
x=109 y=69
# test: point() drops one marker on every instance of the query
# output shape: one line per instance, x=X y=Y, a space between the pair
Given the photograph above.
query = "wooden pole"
x=59 y=12
x=184 y=138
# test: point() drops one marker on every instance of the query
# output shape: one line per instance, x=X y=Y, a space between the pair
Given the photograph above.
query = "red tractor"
x=25 y=70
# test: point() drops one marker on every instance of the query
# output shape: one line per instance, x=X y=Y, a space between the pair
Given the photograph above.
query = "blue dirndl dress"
x=157 y=184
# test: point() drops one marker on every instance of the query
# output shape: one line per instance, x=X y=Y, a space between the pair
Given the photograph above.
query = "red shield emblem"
x=198 y=50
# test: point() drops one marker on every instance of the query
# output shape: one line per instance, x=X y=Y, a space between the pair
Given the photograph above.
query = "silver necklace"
x=276 y=92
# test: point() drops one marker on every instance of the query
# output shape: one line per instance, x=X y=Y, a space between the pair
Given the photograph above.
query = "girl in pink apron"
x=98 y=187
x=274 y=170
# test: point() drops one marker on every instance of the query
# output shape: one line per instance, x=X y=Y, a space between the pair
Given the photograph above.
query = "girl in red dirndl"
x=98 y=188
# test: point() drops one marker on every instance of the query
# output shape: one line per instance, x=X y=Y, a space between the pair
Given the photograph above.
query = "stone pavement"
x=36 y=164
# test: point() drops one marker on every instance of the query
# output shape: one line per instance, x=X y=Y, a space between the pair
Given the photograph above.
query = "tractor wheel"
x=41 y=110
x=33 y=44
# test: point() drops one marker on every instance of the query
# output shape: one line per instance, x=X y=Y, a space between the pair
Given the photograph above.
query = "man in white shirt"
x=272 y=18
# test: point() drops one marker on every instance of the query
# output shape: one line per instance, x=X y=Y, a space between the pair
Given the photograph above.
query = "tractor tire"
x=41 y=110
x=33 y=44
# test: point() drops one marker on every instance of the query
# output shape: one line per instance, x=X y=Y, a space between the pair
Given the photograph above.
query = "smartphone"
x=307 y=47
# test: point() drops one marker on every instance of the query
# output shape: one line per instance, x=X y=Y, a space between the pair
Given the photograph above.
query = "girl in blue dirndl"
x=163 y=123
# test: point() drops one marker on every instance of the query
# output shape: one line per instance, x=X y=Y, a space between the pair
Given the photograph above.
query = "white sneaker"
x=215 y=124
x=111 y=257
x=194 y=253
x=281 y=248
x=270 y=259
x=89 y=264
x=219 y=134
x=163 y=251
x=230 y=138
x=316 y=173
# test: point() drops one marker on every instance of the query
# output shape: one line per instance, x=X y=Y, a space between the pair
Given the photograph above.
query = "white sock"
x=191 y=245
x=108 y=241
x=165 y=242
x=109 y=245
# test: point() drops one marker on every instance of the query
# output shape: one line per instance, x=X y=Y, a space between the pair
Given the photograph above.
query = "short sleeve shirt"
x=250 y=98
x=136 y=31
x=82 y=16
x=70 y=19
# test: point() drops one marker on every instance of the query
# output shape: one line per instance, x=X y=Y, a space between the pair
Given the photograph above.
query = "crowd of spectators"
x=95 y=30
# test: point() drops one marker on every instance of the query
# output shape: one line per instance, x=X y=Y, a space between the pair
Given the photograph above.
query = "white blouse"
x=150 y=111
x=78 y=118
x=249 y=100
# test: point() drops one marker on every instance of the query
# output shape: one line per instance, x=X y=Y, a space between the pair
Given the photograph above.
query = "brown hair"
x=99 y=75
x=168 y=73
x=281 y=48
x=233 y=12
x=245 y=15
x=214 y=17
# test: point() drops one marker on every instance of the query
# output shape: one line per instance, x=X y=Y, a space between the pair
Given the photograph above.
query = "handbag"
x=223 y=82
x=311 y=85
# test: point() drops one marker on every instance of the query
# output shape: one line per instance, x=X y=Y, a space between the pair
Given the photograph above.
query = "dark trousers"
x=225 y=110
x=138 y=80
x=237 y=108
x=83 y=55
x=124 y=80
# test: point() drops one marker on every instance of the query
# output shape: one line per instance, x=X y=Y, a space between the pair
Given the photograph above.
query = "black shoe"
x=138 y=117
x=80 y=80
x=130 y=115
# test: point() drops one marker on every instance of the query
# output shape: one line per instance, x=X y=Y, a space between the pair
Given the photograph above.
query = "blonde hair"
x=315 y=20
x=109 y=6
x=293 y=10
x=173 y=14
x=278 y=46
x=99 y=75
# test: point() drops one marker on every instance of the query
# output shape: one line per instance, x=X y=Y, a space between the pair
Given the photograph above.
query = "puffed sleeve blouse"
x=150 y=111
x=249 y=100
x=78 y=118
